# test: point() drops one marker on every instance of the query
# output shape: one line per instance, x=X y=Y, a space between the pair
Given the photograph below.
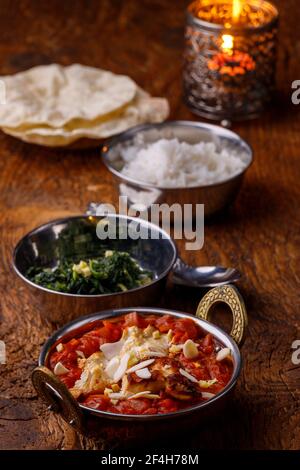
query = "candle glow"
x=236 y=10
x=237 y=68
x=227 y=43
x=231 y=62
x=228 y=40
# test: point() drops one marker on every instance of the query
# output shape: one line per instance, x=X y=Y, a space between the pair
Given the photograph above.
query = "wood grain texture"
x=259 y=235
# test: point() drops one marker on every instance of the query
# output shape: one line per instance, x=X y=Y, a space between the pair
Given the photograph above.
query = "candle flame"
x=236 y=9
x=227 y=44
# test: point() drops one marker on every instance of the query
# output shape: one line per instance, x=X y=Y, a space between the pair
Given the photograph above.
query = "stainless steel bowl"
x=215 y=197
x=57 y=395
x=75 y=238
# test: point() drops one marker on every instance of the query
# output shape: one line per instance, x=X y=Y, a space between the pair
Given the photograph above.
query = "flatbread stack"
x=56 y=106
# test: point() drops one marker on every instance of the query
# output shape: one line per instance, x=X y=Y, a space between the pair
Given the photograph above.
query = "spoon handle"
x=203 y=276
x=180 y=273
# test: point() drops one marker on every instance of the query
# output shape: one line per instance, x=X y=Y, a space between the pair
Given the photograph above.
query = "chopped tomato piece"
x=134 y=319
x=207 y=344
x=187 y=328
x=197 y=368
x=151 y=320
x=167 y=405
x=88 y=345
x=132 y=407
x=151 y=411
x=165 y=323
x=221 y=370
x=114 y=331
x=99 y=402
x=70 y=378
x=67 y=357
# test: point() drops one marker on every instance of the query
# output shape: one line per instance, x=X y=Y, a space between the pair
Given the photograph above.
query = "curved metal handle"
x=230 y=296
x=57 y=396
x=203 y=276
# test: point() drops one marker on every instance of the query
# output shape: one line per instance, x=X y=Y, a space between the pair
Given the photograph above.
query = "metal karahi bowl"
x=83 y=418
x=214 y=196
x=76 y=238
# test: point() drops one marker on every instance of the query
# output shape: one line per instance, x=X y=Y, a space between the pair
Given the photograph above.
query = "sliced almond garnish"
x=156 y=354
x=117 y=396
x=140 y=394
x=60 y=369
x=112 y=367
x=59 y=347
x=122 y=368
x=207 y=395
x=223 y=354
x=111 y=350
x=188 y=376
x=169 y=336
x=140 y=365
x=80 y=354
x=190 y=349
x=144 y=373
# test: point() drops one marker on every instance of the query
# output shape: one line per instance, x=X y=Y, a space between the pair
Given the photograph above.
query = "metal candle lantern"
x=230 y=57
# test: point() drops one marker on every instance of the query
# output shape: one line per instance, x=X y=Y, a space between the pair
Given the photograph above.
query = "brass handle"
x=230 y=296
x=57 y=396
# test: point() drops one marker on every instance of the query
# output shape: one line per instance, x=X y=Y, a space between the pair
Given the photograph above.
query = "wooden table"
x=259 y=236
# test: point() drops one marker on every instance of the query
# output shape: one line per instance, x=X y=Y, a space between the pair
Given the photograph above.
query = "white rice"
x=170 y=163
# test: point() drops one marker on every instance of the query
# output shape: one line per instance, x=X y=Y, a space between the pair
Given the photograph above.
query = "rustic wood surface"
x=259 y=235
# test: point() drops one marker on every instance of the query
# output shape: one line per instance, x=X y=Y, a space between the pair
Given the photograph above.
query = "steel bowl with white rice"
x=181 y=162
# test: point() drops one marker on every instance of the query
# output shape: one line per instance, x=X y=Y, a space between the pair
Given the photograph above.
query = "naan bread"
x=143 y=108
x=54 y=95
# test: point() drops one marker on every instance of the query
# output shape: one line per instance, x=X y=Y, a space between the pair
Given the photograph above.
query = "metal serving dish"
x=76 y=238
x=215 y=196
x=59 y=399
